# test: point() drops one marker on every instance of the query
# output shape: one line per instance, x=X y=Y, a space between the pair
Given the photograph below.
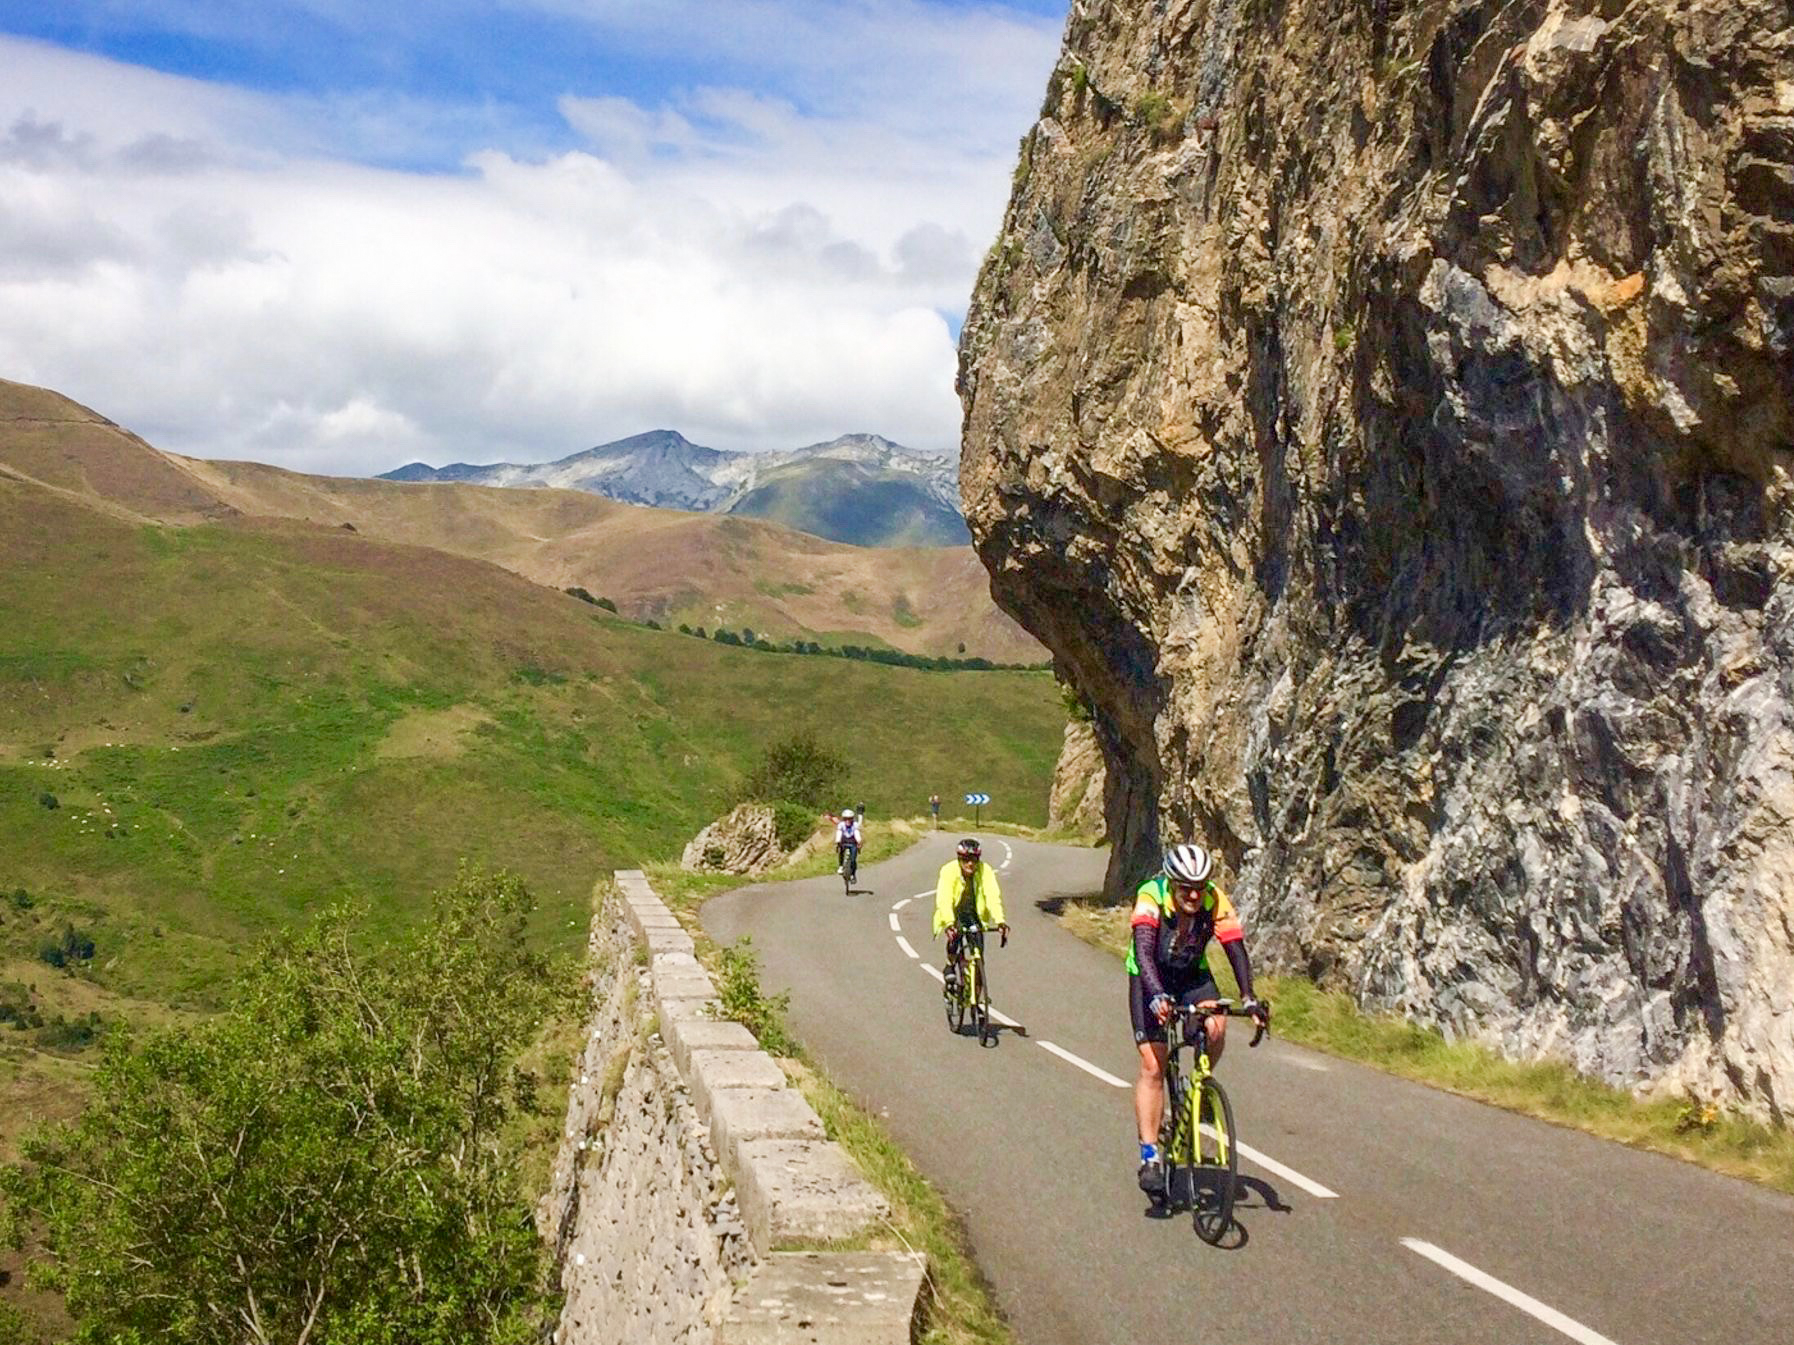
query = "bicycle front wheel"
x=1218 y=1164
x=953 y=993
x=981 y=1006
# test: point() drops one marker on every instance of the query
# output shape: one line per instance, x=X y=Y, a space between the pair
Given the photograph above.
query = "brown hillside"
x=672 y=566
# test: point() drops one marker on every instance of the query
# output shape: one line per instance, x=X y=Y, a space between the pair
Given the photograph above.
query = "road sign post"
x=977 y=801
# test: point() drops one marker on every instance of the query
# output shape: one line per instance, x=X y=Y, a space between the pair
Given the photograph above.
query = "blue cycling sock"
x=1148 y=1152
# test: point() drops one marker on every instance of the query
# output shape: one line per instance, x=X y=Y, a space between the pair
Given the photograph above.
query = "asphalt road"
x=1379 y=1210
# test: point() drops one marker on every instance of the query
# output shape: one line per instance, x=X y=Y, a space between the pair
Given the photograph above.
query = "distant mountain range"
x=859 y=489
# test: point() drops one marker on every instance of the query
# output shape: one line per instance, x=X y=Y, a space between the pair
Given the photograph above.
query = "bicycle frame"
x=973 y=996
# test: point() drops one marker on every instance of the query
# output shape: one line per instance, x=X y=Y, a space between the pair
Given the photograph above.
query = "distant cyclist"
x=1176 y=913
x=847 y=834
x=967 y=900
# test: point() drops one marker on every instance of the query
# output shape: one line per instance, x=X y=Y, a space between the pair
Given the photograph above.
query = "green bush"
x=18 y=1007
x=742 y=999
x=21 y=899
x=349 y=1115
x=69 y=1034
x=49 y=801
x=793 y=823
x=799 y=769
x=70 y=945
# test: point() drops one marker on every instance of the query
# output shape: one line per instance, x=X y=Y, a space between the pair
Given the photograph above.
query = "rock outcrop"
x=1384 y=413
x=745 y=840
x=1076 y=803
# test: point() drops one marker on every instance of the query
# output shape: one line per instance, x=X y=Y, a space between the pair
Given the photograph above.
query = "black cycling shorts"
x=1148 y=1028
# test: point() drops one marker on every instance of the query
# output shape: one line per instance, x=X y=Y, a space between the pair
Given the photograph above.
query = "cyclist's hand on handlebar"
x=1260 y=1010
x=1003 y=930
x=1161 y=1007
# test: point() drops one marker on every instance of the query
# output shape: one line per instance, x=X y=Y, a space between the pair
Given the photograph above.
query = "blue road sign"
x=978 y=800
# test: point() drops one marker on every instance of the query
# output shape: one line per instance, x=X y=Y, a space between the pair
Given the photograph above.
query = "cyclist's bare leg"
x=1149 y=1091
x=1215 y=1024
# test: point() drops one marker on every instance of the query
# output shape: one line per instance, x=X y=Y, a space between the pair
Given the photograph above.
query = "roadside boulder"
x=745 y=840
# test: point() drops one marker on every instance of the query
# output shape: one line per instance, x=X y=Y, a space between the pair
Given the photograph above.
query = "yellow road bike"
x=1197 y=1136
x=966 y=989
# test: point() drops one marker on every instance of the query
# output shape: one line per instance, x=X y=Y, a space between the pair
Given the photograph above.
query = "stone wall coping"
x=792 y=1183
x=845 y=1298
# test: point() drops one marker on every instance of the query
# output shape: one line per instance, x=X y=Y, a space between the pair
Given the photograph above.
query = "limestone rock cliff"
x=1079 y=781
x=1384 y=412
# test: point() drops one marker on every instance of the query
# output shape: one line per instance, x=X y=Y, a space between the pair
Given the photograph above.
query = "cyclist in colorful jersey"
x=1176 y=913
x=847 y=832
x=967 y=901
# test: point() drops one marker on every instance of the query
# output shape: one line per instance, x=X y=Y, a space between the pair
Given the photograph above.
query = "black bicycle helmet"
x=968 y=849
x=1188 y=864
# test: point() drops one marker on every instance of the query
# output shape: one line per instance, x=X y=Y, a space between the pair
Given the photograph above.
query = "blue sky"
x=341 y=235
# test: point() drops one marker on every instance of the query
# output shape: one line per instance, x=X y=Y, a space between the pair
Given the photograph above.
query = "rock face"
x=745 y=840
x=1076 y=803
x=1384 y=413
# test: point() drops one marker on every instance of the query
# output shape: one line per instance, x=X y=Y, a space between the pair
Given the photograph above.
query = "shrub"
x=793 y=823
x=49 y=800
x=21 y=899
x=69 y=1034
x=581 y=594
x=349 y=1114
x=18 y=1008
x=742 y=999
x=70 y=945
x=607 y=604
x=800 y=769
x=1154 y=111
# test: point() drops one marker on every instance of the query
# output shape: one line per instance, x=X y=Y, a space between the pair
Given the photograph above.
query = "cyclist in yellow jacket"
x=967 y=901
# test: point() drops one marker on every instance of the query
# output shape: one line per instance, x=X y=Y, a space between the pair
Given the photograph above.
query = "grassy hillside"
x=209 y=732
x=660 y=563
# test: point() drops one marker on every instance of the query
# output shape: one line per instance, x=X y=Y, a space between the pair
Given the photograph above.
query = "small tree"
x=328 y=1160
x=798 y=768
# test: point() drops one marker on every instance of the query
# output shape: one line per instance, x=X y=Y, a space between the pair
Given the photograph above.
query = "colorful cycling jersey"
x=1181 y=948
x=847 y=833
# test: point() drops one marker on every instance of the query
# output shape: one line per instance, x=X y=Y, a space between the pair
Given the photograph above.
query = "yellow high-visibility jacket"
x=948 y=891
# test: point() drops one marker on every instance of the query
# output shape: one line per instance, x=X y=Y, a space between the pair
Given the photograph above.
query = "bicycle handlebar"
x=1226 y=1008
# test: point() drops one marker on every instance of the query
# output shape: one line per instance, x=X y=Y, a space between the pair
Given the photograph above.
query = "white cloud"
x=190 y=261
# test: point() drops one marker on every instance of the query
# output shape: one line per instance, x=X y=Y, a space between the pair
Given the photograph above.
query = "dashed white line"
x=1083 y=1064
x=903 y=943
x=935 y=972
x=901 y=904
x=1550 y=1316
x=896 y=926
x=1288 y=1174
x=1008 y=856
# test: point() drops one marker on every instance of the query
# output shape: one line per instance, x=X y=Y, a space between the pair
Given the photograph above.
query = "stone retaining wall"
x=689 y=1167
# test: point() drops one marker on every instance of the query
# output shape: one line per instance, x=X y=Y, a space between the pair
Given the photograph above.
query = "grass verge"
x=1549 y=1090
x=959 y=1309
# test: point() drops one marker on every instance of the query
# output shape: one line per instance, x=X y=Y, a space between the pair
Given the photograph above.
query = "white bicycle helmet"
x=847 y=814
x=1188 y=863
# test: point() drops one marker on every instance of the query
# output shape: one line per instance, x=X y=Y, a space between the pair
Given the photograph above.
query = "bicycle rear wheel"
x=1218 y=1163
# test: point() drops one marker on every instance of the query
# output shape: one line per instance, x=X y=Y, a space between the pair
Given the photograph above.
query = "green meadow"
x=209 y=733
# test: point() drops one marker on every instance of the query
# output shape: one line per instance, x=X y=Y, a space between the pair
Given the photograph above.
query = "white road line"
x=1288 y=1174
x=901 y=904
x=1551 y=1317
x=1003 y=1018
x=935 y=972
x=903 y=943
x=896 y=928
x=1083 y=1064
x=1008 y=855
